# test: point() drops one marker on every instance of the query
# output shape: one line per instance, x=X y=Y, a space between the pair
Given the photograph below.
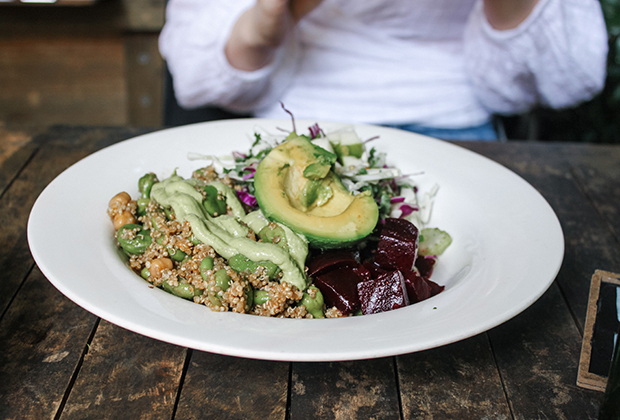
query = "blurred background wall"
x=81 y=62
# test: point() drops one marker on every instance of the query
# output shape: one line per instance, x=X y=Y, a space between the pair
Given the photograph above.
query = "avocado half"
x=295 y=186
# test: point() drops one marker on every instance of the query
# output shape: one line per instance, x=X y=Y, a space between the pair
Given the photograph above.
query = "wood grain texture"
x=58 y=149
x=459 y=380
x=15 y=151
x=537 y=354
x=42 y=338
x=525 y=368
x=224 y=387
x=126 y=375
x=538 y=351
x=602 y=186
x=345 y=390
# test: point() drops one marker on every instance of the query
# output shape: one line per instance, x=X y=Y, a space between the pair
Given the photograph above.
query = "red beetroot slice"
x=398 y=245
x=385 y=293
x=418 y=288
x=425 y=265
x=331 y=260
x=435 y=288
x=363 y=272
x=339 y=289
x=373 y=269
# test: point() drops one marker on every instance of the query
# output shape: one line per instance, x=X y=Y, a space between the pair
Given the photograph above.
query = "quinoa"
x=170 y=236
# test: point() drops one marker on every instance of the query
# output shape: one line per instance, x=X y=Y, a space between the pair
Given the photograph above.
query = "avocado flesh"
x=323 y=210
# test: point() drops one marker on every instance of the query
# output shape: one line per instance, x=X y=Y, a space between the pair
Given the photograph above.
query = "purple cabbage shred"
x=406 y=210
x=247 y=198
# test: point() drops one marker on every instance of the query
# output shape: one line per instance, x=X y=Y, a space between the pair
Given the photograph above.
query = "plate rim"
x=266 y=354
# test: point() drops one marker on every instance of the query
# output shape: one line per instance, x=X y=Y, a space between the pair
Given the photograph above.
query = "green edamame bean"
x=274 y=235
x=194 y=240
x=260 y=297
x=205 y=265
x=314 y=305
x=240 y=263
x=145 y=273
x=137 y=244
x=183 y=290
x=146 y=183
x=159 y=239
x=215 y=300
x=142 y=203
x=212 y=203
x=222 y=279
x=176 y=254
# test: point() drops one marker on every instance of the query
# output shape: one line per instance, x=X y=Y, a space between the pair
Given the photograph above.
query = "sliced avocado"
x=322 y=210
x=322 y=164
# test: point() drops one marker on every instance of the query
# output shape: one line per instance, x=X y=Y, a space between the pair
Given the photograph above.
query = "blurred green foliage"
x=598 y=120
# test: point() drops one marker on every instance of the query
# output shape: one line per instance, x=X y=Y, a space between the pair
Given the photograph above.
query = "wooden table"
x=59 y=361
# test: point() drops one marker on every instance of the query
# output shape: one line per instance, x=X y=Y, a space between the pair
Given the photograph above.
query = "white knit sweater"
x=433 y=62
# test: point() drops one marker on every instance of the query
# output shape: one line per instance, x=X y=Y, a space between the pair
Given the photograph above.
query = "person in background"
x=437 y=67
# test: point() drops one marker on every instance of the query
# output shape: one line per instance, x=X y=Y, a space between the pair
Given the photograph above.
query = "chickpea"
x=122 y=219
x=119 y=200
x=158 y=265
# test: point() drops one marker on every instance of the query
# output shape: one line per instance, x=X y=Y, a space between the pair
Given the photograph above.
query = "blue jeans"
x=485 y=132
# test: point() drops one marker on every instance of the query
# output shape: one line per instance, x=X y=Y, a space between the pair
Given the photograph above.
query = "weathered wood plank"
x=363 y=389
x=60 y=147
x=601 y=182
x=42 y=338
x=126 y=375
x=11 y=141
x=538 y=351
x=459 y=380
x=224 y=387
x=538 y=356
x=10 y=167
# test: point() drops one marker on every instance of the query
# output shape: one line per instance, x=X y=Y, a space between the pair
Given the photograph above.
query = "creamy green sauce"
x=225 y=234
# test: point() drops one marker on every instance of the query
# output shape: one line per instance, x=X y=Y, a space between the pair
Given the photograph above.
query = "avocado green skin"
x=356 y=219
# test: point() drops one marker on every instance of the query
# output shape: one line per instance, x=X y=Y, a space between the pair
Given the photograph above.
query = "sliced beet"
x=363 y=272
x=425 y=265
x=435 y=288
x=418 y=288
x=331 y=260
x=385 y=293
x=374 y=269
x=339 y=289
x=398 y=245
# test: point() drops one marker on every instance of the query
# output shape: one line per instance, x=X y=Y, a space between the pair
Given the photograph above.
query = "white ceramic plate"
x=507 y=249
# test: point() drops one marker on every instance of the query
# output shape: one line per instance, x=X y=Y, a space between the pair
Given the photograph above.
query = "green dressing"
x=225 y=234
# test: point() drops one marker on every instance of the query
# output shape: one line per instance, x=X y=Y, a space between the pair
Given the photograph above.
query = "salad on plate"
x=314 y=225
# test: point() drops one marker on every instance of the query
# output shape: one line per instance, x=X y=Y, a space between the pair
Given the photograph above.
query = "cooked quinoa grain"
x=172 y=261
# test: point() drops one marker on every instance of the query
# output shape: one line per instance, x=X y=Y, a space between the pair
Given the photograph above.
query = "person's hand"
x=263 y=28
x=508 y=14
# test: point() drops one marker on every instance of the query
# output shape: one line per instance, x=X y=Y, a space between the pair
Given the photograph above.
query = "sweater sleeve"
x=192 y=43
x=556 y=57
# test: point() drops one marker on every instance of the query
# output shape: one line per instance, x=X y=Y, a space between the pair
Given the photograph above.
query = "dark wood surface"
x=58 y=361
